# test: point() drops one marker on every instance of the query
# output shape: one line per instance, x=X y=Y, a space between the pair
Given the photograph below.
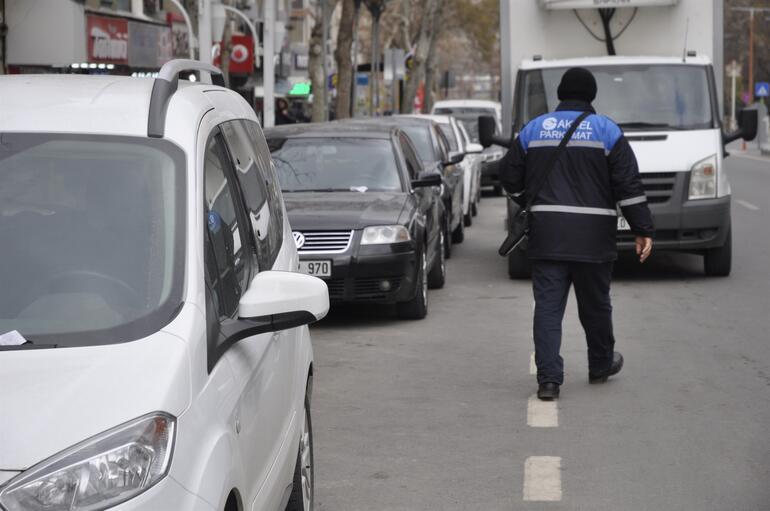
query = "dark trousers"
x=551 y=282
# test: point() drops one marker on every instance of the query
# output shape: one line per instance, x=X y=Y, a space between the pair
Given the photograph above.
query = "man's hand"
x=643 y=248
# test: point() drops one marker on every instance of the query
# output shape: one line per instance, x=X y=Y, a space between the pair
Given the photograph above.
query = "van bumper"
x=690 y=226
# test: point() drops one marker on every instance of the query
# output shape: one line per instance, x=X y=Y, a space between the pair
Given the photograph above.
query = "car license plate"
x=316 y=268
x=623 y=224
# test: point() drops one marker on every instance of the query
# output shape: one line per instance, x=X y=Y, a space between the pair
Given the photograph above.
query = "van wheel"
x=717 y=262
x=458 y=235
x=417 y=307
x=303 y=487
x=518 y=265
x=437 y=274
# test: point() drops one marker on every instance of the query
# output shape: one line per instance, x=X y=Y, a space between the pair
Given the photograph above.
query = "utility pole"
x=204 y=31
x=376 y=8
x=268 y=34
x=733 y=71
x=325 y=54
x=751 y=11
x=354 y=56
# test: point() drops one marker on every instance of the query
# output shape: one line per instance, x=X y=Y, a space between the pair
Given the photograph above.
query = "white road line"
x=747 y=205
x=542 y=414
x=542 y=479
x=532 y=365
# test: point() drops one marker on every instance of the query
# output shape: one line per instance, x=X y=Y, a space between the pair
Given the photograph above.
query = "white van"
x=153 y=347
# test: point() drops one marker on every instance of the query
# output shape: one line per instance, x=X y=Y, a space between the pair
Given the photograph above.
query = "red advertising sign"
x=241 y=56
x=107 y=39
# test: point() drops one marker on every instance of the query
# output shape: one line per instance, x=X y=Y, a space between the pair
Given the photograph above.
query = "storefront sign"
x=107 y=39
x=241 y=55
x=149 y=46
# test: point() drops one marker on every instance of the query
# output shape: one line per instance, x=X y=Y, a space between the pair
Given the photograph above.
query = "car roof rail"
x=165 y=86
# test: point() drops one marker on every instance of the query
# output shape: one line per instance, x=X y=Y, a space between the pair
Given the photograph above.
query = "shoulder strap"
x=553 y=159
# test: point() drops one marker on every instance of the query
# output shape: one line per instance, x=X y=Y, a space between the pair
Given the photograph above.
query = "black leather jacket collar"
x=575 y=106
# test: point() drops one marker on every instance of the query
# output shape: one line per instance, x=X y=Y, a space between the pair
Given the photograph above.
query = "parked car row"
x=157 y=283
x=376 y=204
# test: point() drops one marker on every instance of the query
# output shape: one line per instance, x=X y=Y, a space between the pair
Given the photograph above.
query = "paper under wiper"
x=12 y=338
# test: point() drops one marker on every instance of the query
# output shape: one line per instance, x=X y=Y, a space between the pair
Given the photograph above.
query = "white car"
x=467 y=113
x=154 y=349
x=460 y=143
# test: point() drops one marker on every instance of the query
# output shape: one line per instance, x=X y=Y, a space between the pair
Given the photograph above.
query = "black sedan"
x=433 y=148
x=365 y=213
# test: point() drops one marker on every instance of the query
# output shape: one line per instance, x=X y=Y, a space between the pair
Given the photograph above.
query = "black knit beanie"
x=577 y=83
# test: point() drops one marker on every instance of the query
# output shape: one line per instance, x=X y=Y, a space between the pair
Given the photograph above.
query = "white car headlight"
x=703 y=179
x=381 y=234
x=100 y=472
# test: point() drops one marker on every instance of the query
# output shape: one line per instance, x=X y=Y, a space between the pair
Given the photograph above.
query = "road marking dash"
x=747 y=205
x=542 y=414
x=542 y=479
x=532 y=365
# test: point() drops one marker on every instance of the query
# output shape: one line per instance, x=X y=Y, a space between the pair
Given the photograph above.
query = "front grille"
x=325 y=242
x=658 y=186
x=361 y=289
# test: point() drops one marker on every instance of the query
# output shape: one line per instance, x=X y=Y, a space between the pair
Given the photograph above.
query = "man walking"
x=573 y=224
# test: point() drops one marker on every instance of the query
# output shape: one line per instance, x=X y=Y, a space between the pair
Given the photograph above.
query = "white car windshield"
x=335 y=164
x=91 y=229
x=637 y=97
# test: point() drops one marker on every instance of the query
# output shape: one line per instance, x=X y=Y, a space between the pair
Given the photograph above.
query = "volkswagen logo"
x=299 y=239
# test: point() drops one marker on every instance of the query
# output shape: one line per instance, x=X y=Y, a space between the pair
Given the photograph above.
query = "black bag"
x=518 y=231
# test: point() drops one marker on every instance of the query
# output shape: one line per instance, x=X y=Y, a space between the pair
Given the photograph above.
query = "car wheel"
x=468 y=219
x=474 y=208
x=437 y=274
x=498 y=190
x=417 y=307
x=717 y=262
x=303 y=486
x=518 y=265
x=458 y=235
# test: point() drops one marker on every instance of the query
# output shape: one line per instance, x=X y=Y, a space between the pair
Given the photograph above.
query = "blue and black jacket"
x=574 y=218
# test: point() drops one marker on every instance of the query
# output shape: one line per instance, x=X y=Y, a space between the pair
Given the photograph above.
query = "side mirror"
x=748 y=124
x=427 y=179
x=454 y=158
x=474 y=148
x=487 y=132
x=277 y=300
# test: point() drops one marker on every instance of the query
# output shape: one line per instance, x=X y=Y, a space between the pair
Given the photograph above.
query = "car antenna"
x=686 y=33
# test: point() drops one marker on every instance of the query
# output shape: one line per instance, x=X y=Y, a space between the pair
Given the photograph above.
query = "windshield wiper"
x=319 y=190
x=29 y=345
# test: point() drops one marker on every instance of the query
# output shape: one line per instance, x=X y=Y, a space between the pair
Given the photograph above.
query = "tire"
x=437 y=274
x=417 y=307
x=498 y=190
x=447 y=240
x=458 y=235
x=518 y=265
x=717 y=262
x=468 y=219
x=474 y=208
x=303 y=486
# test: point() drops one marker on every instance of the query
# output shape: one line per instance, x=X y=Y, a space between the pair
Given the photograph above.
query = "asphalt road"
x=434 y=414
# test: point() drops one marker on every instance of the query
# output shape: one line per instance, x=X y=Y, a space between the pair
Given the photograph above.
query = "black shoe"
x=617 y=365
x=548 y=391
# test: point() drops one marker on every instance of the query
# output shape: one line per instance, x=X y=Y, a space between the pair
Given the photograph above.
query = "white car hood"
x=51 y=399
x=678 y=153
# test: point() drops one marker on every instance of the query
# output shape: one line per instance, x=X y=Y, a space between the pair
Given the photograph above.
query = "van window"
x=92 y=237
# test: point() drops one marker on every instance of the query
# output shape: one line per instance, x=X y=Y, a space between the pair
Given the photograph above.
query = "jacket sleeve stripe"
x=579 y=210
x=633 y=200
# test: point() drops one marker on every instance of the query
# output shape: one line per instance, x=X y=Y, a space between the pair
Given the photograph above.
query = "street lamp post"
x=376 y=8
x=204 y=31
x=751 y=11
x=268 y=69
x=252 y=29
x=190 y=34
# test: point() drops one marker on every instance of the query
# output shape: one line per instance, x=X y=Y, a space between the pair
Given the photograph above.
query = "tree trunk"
x=344 y=60
x=315 y=68
x=430 y=63
x=420 y=57
x=225 y=48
